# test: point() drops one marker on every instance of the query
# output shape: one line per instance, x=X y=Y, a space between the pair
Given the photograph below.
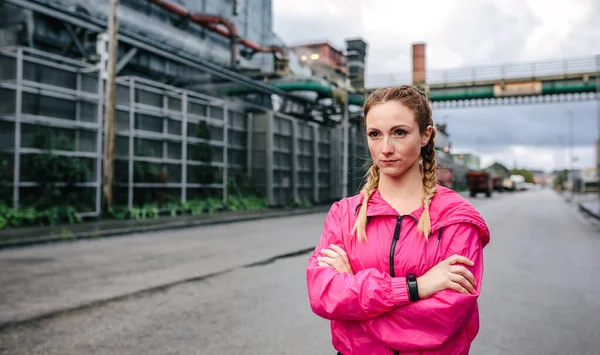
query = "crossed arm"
x=380 y=302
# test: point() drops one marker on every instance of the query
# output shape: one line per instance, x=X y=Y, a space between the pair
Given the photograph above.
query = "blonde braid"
x=417 y=102
x=360 y=227
x=429 y=184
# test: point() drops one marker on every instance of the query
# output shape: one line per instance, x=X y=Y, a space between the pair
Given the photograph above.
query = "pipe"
x=212 y=22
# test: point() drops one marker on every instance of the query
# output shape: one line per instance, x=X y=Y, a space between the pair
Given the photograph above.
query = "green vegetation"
x=57 y=199
x=561 y=178
x=528 y=175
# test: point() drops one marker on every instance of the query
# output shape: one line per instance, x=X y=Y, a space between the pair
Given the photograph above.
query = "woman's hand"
x=447 y=275
x=336 y=258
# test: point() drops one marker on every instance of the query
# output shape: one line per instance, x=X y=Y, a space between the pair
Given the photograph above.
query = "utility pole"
x=571 y=152
x=345 y=153
x=598 y=121
x=110 y=99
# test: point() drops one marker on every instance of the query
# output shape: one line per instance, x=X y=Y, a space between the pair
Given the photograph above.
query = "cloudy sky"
x=466 y=33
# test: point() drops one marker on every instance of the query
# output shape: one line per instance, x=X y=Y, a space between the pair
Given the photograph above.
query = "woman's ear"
x=426 y=135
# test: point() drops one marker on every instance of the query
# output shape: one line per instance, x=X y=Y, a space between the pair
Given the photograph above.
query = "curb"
x=588 y=211
x=214 y=220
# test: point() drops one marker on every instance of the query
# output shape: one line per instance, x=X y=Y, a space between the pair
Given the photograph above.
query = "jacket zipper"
x=439 y=237
x=394 y=241
x=392 y=250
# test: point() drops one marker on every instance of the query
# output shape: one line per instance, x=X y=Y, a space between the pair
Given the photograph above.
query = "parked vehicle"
x=519 y=181
x=508 y=184
x=445 y=177
x=497 y=183
x=479 y=181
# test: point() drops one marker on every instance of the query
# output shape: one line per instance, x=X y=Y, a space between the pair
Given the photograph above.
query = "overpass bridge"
x=575 y=79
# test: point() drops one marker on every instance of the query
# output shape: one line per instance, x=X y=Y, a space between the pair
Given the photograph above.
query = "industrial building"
x=206 y=92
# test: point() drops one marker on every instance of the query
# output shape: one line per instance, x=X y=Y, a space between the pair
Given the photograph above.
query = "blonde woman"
x=398 y=267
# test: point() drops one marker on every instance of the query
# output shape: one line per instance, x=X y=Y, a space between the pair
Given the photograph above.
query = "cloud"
x=315 y=21
x=457 y=33
x=461 y=34
x=537 y=158
x=542 y=125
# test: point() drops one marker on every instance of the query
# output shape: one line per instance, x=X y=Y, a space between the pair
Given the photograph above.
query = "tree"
x=528 y=175
x=561 y=178
x=498 y=169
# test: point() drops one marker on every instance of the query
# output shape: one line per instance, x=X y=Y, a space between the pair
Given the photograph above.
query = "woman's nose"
x=388 y=146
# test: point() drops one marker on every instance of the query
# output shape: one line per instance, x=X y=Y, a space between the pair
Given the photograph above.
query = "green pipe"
x=561 y=86
x=568 y=86
x=464 y=93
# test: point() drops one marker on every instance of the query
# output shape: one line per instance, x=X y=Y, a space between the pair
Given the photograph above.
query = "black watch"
x=413 y=290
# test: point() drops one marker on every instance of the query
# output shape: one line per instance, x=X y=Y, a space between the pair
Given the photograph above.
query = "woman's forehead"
x=390 y=114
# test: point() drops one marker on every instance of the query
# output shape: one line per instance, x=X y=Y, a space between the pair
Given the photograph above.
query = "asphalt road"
x=240 y=288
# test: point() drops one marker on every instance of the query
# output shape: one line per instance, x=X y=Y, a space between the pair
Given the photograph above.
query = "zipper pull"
x=439 y=237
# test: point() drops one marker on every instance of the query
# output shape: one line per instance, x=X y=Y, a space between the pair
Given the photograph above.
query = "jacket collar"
x=447 y=207
x=378 y=206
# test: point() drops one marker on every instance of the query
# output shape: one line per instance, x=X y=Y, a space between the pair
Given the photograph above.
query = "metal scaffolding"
x=165 y=128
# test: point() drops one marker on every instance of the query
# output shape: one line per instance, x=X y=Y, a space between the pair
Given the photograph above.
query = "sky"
x=474 y=33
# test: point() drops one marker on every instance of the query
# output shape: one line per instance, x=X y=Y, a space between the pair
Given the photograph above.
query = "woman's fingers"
x=330 y=253
x=322 y=263
x=459 y=259
x=327 y=260
x=339 y=250
x=463 y=282
x=458 y=287
x=337 y=258
x=458 y=269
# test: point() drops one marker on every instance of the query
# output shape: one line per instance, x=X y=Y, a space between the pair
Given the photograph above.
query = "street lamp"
x=598 y=121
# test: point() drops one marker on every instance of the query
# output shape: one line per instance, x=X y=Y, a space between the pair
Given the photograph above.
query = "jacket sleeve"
x=342 y=296
x=430 y=322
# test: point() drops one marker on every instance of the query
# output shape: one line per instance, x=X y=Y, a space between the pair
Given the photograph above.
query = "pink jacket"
x=370 y=311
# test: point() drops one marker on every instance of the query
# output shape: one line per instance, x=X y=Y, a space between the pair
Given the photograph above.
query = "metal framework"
x=138 y=42
x=86 y=96
x=290 y=158
x=509 y=101
x=529 y=70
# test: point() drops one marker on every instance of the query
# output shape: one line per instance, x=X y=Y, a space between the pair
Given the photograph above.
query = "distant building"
x=442 y=140
x=467 y=159
x=324 y=60
x=541 y=178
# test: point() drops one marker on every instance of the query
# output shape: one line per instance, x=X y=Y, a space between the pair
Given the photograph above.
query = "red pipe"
x=212 y=22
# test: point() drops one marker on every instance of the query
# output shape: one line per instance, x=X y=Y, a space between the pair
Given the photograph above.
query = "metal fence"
x=170 y=144
x=291 y=159
x=530 y=70
x=64 y=97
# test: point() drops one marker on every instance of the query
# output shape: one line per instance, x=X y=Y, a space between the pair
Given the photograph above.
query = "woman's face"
x=394 y=138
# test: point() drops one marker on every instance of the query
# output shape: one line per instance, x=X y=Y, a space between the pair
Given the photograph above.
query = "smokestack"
x=356 y=58
x=418 y=50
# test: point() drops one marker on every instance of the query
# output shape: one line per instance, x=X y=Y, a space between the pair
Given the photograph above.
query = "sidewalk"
x=591 y=207
x=588 y=203
x=19 y=237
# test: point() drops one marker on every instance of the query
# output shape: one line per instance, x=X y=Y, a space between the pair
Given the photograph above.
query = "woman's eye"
x=400 y=132
x=373 y=134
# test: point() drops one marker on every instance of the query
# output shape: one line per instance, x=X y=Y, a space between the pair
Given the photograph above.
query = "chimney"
x=418 y=63
x=356 y=59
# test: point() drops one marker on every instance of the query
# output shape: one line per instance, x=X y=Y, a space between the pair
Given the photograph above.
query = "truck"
x=519 y=181
x=497 y=183
x=445 y=177
x=479 y=181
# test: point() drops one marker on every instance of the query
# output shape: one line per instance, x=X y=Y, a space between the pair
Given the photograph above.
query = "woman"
x=398 y=267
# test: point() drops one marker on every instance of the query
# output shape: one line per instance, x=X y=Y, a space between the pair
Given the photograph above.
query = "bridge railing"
x=529 y=70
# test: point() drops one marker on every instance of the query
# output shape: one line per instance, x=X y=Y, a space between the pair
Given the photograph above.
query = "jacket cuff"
x=399 y=291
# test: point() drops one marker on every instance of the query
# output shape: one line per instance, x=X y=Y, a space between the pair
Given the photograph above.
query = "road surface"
x=240 y=288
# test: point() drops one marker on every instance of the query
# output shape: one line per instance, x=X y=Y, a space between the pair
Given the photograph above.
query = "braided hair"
x=418 y=103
